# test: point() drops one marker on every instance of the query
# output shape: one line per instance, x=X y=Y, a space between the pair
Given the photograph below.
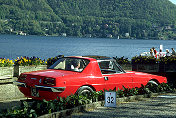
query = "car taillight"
x=49 y=81
x=22 y=77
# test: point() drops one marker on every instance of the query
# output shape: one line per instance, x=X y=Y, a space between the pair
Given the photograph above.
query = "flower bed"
x=151 y=64
x=6 y=68
x=26 y=64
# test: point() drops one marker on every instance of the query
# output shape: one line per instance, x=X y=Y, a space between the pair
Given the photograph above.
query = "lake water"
x=13 y=46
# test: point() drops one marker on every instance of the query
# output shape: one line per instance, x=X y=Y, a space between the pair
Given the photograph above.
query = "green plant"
x=129 y=92
x=164 y=87
x=168 y=60
x=76 y=100
x=97 y=96
x=120 y=93
x=122 y=60
x=143 y=90
x=153 y=60
x=144 y=60
x=25 y=111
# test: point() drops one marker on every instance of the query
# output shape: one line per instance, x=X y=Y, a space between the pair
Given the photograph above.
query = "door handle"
x=106 y=78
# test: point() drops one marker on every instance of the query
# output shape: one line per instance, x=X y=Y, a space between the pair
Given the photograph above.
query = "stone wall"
x=9 y=91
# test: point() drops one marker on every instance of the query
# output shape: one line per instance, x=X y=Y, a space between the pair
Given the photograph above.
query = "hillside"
x=153 y=10
x=96 y=18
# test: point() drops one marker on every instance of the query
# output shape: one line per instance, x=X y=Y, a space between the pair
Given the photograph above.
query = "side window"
x=104 y=64
x=109 y=67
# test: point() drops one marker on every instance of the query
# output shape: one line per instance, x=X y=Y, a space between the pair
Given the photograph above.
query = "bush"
x=153 y=60
x=168 y=60
x=144 y=60
x=122 y=60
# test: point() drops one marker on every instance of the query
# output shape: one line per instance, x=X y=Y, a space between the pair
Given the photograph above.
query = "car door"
x=114 y=75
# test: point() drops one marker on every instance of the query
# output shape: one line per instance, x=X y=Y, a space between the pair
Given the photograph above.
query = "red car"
x=80 y=75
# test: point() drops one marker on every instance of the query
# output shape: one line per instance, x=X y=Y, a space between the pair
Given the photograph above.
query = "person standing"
x=161 y=54
x=155 y=52
x=168 y=53
x=173 y=52
x=152 y=52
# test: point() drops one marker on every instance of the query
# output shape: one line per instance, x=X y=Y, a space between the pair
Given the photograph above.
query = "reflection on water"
x=45 y=47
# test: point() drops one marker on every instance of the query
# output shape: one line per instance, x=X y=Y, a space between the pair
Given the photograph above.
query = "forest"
x=144 y=19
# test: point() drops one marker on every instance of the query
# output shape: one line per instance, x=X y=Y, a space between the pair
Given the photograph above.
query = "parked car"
x=81 y=75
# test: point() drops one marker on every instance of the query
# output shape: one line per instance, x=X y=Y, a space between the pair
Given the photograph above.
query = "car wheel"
x=85 y=90
x=152 y=85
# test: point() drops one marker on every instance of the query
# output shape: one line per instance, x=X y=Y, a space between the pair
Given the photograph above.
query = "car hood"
x=51 y=73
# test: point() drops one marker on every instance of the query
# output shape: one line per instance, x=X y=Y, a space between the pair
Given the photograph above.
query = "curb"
x=68 y=112
x=11 y=103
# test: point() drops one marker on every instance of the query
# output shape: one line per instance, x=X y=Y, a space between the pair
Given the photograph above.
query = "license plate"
x=34 y=92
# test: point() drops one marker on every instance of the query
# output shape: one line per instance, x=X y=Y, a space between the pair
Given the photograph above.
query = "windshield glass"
x=70 y=64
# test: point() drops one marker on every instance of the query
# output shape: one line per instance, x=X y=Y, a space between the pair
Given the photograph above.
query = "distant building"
x=109 y=35
x=106 y=25
x=88 y=35
x=64 y=34
x=11 y=30
x=168 y=28
x=127 y=35
x=22 y=33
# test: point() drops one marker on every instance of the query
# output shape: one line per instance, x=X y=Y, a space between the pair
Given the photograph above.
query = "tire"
x=151 y=82
x=152 y=85
x=85 y=90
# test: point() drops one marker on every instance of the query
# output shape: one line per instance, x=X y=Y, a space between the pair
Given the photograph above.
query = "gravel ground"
x=157 y=107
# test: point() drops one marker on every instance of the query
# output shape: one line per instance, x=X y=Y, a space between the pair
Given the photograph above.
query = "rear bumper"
x=41 y=88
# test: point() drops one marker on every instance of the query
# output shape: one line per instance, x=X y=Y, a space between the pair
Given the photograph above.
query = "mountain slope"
x=153 y=10
x=80 y=17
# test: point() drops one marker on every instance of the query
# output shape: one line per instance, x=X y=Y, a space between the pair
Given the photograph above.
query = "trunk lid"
x=37 y=77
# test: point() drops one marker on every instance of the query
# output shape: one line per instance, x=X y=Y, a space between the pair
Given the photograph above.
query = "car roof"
x=92 y=57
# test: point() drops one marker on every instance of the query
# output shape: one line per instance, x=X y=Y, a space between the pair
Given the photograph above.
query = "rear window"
x=70 y=64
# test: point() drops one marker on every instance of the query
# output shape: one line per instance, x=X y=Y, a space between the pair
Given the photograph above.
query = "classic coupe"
x=81 y=75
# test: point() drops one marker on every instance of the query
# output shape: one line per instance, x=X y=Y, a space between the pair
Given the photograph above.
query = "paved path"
x=158 y=107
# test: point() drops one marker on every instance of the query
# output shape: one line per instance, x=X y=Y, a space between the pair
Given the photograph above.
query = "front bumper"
x=41 y=88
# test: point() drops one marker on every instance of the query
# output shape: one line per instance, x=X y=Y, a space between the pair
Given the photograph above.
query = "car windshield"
x=70 y=64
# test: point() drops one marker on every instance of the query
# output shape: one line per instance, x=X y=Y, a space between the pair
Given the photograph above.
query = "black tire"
x=152 y=85
x=85 y=90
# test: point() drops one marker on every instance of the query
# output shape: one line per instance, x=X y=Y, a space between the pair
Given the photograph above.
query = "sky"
x=173 y=1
